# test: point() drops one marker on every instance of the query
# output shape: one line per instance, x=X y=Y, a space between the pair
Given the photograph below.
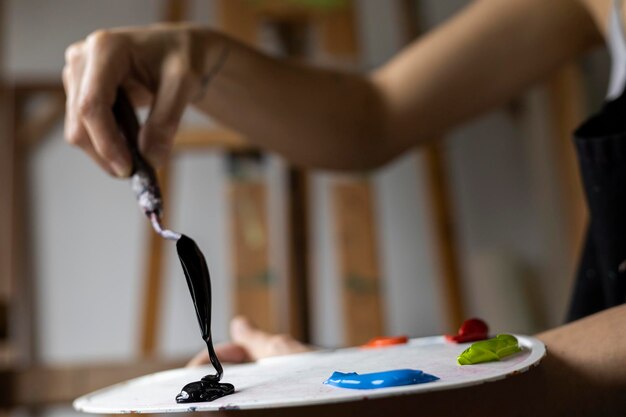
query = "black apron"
x=601 y=147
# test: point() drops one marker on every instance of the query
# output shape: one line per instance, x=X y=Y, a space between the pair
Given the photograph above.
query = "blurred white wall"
x=89 y=233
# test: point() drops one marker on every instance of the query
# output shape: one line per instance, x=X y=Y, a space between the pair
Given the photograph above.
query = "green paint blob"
x=489 y=350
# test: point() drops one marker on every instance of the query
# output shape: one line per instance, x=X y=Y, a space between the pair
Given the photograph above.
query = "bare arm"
x=317 y=117
x=480 y=59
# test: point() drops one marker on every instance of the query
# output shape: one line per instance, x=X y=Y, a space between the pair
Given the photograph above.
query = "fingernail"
x=120 y=168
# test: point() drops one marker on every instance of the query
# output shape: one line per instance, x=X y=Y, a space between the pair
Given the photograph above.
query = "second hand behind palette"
x=145 y=186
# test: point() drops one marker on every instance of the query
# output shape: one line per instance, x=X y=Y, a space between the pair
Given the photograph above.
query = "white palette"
x=296 y=380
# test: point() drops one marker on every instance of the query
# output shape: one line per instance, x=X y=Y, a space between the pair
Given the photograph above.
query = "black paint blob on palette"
x=196 y=271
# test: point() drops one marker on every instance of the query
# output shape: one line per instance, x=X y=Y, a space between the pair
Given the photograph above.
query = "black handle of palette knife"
x=144 y=180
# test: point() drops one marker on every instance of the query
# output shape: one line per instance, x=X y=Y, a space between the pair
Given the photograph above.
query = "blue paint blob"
x=386 y=379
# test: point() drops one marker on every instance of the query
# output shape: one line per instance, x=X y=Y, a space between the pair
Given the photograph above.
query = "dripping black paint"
x=196 y=271
x=148 y=195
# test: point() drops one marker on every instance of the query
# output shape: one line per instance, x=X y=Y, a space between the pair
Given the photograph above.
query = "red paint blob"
x=471 y=330
x=379 y=342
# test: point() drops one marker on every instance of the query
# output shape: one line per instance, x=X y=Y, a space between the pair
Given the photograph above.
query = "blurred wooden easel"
x=256 y=293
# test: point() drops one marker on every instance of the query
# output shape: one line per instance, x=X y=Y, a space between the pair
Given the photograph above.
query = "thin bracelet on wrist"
x=206 y=79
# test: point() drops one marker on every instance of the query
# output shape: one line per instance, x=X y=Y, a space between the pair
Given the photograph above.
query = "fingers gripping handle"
x=144 y=181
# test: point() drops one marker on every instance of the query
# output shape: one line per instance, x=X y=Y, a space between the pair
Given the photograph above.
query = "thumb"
x=231 y=353
x=226 y=352
x=249 y=337
x=156 y=138
x=259 y=344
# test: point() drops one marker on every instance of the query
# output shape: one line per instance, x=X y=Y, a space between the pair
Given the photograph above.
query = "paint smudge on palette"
x=204 y=390
x=385 y=379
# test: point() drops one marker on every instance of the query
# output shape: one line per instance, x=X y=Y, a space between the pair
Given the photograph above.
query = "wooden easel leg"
x=299 y=254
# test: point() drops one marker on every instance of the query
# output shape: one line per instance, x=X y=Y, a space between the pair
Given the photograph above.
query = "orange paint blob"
x=384 y=341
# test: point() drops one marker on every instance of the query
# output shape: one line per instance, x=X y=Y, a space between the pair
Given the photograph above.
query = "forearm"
x=586 y=363
x=480 y=59
x=313 y=116
x=317 y=117
x=324 y=118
